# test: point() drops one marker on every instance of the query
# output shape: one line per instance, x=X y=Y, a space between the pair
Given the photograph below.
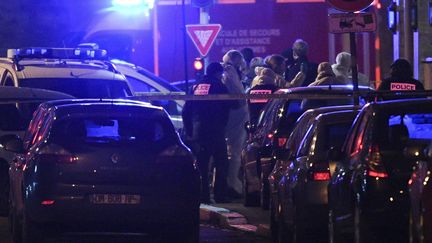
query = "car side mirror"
x=12 y=143
x=250 y=127
x=335 y=154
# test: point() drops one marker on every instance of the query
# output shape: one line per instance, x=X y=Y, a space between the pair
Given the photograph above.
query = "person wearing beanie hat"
x=205 y=122
x=342 y=70
x=401 y=78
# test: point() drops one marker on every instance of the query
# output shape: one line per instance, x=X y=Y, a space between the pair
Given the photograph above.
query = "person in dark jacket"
x=401 y=78
x=264 y=83
x=301 y=64
x=205 y=123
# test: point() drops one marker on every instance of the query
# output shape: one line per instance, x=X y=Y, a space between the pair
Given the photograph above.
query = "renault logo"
x=115 y=158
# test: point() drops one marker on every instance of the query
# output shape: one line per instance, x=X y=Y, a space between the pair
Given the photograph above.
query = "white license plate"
x=115 y=199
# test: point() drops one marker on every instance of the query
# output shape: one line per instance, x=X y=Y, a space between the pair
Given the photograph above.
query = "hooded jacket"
x=342 y=70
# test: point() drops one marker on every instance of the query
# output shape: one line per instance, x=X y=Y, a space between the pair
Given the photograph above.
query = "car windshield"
x=151 y=133
x=80 y=88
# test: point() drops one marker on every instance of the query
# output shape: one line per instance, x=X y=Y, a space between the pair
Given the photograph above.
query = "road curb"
x=226 y=218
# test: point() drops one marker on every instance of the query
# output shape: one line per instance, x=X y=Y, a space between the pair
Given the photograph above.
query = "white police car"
x=80 y=72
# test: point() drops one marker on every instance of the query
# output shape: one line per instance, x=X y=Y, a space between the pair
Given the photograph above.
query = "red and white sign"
x=202 y=89
x=352 y=22
x=350 y=5
x=260 y=91
x=402 y=87
x=203 y=36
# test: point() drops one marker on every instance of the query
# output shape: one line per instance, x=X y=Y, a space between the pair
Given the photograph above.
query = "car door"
x=341 y=197
x=19 y=164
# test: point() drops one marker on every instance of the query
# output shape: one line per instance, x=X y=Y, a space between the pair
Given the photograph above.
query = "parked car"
x=102 y=166
x=16 y=108
x=287 y=155
x=272 y=131
x=368 y=192
x=144 y=82
x=81 y=73
x=419 y=186
x=302 y=191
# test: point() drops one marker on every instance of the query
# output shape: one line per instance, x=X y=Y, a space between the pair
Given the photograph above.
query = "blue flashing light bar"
x=58 y=53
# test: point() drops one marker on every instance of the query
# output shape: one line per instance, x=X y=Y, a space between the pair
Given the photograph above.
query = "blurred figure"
x=301 y=64
x=326 y=76
x=401 y=78
x=251 y=74
x=263 y=83
x=235 y=133
x=248 y=54
x=206 y=131
x=343 y=72
x=277 y=64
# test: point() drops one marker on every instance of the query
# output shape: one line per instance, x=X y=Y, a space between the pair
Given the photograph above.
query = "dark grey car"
x=103 y=166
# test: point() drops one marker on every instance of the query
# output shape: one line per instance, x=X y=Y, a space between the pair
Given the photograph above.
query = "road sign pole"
x=354 y=72
x=204 y=19
x=185 y=47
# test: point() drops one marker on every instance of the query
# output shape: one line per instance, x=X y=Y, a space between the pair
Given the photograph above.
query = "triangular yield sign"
x=203 y=36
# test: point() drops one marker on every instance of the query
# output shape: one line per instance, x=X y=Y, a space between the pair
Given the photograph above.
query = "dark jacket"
x=256 y=105
x=397 y=84
x=302 y=64
x=204 y=119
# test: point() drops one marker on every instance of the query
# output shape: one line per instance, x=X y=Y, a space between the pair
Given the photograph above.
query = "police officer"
x=401 y=78
x=205 y=122
x=264 y=83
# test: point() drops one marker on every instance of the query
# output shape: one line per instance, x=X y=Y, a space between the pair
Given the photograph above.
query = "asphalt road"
x=209 y=234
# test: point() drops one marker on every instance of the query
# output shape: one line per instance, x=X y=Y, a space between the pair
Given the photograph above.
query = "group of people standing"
x=215 y=128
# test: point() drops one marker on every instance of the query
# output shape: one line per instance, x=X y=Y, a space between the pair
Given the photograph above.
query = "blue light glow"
x=122 y=4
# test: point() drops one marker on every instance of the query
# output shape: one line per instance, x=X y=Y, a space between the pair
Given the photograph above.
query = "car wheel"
x=188 y=232
x=31 y=231
x=265 y=193
x=4 y=189
x=250 y=199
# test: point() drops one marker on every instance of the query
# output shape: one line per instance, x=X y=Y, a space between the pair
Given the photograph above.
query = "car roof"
x=337 y=116
x=33 y=62
x=323 y=88
x=409 y=105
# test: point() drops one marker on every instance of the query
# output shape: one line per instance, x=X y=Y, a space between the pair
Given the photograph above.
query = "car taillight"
x=282 y=141
x=321 y=176
x=375 y=164
x=53 y=153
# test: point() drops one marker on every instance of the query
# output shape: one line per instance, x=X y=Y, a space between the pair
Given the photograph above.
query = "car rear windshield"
x=418 y=126
x=81 y=88
x=152 y=133
x=335 y=135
